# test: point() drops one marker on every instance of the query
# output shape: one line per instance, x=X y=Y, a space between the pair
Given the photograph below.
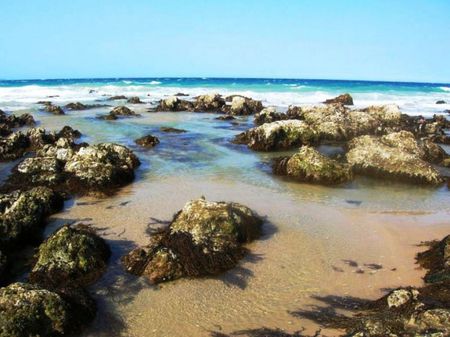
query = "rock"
x=27 y=310
x=22 y=214
x=117 y=97
x=122 y=111
x=174 y=104
x=437 y=261
x=147 y=141
x=69 y=133
x=344 y=99
x=3 y=266
x=269 y=115
x=241 y=106
x=432 y=152
x=395 y=156
x=441 y=102
x=309 y=165
x=70 y=256
x=105 y=165
x=54 y=109
x=171 y=130
x=76 y=106
x=225 y=118
x=42 y=170
x=204 y=238
x=39 y=137
x=278 y=135
x=13 y=146
x=180 y=94
x=400 y=297
x=13 y=121
x=134 y=100
x=433 y=320
x=209 y=103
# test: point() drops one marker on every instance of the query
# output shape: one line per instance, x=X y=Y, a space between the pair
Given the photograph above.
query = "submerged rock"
x=70 y=256
x=134 y=100
x=344 y=99
x=171 y=130
x=147 y=141
x=277 y=135
x=209 y=103
x=204 y=238
x=395 y=156
x=225 y=118
x=54 y=109
x=76 y=106
x=173 y=103
x=309 y=165
x=122 y=111
x=22 y=214
x=117 y=97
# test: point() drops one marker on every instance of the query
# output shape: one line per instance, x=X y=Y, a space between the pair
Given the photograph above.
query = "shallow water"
x=309 y=231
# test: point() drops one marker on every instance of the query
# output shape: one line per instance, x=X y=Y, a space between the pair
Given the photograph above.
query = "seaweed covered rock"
x=22 y=214
x=204 y=238
x=278 y=135
x=54 y=109
x=344 y=99
x=104 y=165
x=174 y=103
x=119 y=111
x=13 y=146
x=8 y=122
x=147 y=141
x=394 y=156
x=134 y=100
x=27 y=310
x=437 y=261
x=76 y=106
x=269 y=115
x=242 y=106
x=70 y=256
x=209 y=103
x=309 y=165
x=42 y=170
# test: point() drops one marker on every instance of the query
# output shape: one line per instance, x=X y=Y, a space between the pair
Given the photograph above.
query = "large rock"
x=204 y=238
x=174 y=103
x=309 y=165
x=23 y=213
x=54 y=109
x=209 y=103
x=134 y=100
x=123 y=111
x=14 y=146
x=70 y=256
x=394 y=156
x=105 y=165
x=344 y=99
x=269 y=115
x=147 y=141
x=278 y=135
x=242 y=106
x=8 y=122
x=42 y=170
x=76 y=106
x=437 y=261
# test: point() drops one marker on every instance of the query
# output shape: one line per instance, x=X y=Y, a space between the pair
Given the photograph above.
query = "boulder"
x=171 y=130
x=394 y=156
x=242 y=106
x=134 y=100
x=42 y=170
x=436 y=260
x=432 y=152
x=173 y=103
x=209 y=103
x=441 y=102
x=23 y=213
x=278 y=135
x=225 y=118
x=13 y=146
x=13 y=121
x=54 y=109
x=74 y=256
x=204 y=238
x=69 y=133
x=147 y=141
x=105 y=165
x=309 y=165
x=344 y=99
x=122 y=111
x=269 y=115
x=76 y=106
x=117 y=97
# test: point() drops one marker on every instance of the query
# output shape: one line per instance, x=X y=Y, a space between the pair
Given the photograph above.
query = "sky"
x=397 y=40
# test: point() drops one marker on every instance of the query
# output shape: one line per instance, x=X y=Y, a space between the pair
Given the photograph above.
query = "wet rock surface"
x=308 y=165
x=119 y=111
x=174 y=104
x=147 y=141
x=134 y=100
x=171 y=130
x=394 y=156
x=243 y=106
x=9 y=122
x=344 y=99
x=209 y=103
x=204 y=238
x=269 y=115
x=54 y=109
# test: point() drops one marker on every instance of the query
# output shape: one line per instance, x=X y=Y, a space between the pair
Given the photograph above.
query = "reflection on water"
x=311 y=232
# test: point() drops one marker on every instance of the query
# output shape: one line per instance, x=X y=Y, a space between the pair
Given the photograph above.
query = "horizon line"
x=222 y=78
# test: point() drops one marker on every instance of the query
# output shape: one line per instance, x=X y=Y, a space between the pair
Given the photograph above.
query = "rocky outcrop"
x=308 y=165
x=147 y=141
x=174 y=103
x=269 y=115
x=441 y=102
x=225 y=118
x=119 y=111
x=437 y=261
x=171 y=130
x=243 y=106
x=209 y=103
x=22 y=214
x=9 y=122
x=134 y=100
x=76 y=106
x=204 y=238
x=117 y=98
x=72 y=256
x=54 y=109
x=394 y=156
x=344 y=99
x=13 y=146
x=278 y=135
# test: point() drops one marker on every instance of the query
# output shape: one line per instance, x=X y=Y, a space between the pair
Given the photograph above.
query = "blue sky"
x=348 y=39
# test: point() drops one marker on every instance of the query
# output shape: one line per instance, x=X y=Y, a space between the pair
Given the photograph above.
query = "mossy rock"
x=70 y=256
x=23 y=213
x=436 y=260
x=205 y=238
x=309 y=165
x=29 y=311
